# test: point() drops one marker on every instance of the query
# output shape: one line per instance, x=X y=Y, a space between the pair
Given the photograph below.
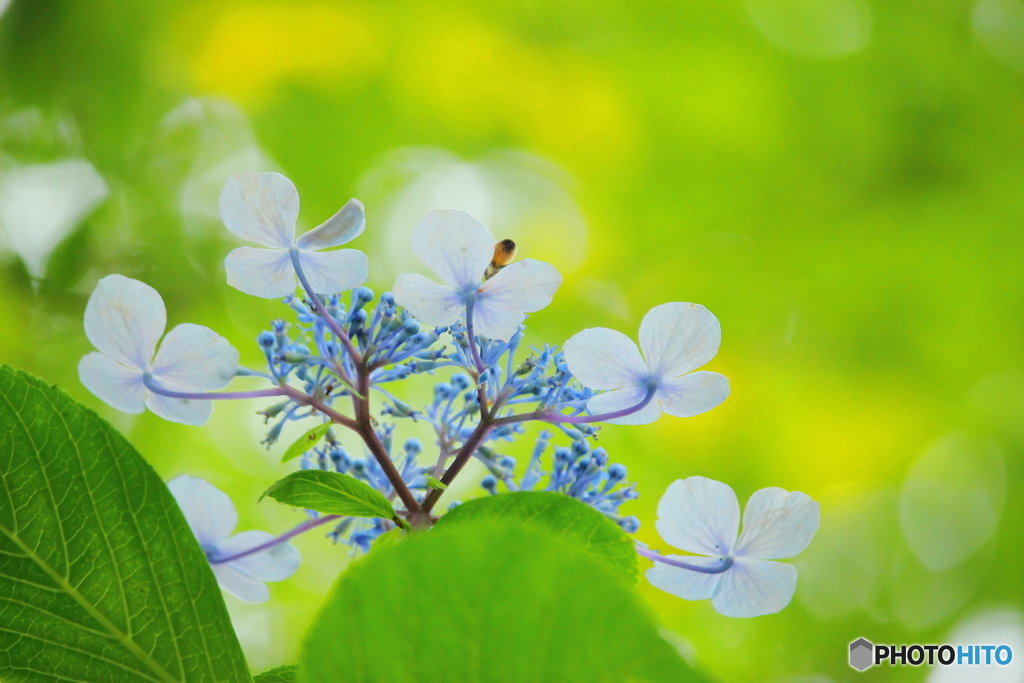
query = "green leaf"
x=436 y=483
x=289 y=673
x=306 y=442
x=561 y=515
x=488 y=602
x=331 y=493
x=101 y=578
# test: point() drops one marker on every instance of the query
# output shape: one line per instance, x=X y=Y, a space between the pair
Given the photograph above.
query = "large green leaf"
x=100 y=577
x=331 y=493
x=561 y=515
x=485 y=602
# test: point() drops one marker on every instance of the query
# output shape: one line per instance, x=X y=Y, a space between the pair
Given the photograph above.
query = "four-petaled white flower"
x=125 y=319
x=212 y=517
x=702 y=516
x=458 y=247
x=263 y=208
x=676 y=339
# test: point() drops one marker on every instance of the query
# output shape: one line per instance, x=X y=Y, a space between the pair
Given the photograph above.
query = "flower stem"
x=473 y=350
x=328 y=319
x=555 y=417
x=727 y=562
x=283 y=538
x=151 y=384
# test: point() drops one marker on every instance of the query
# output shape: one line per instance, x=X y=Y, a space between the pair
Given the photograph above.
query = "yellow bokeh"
x=250 y=49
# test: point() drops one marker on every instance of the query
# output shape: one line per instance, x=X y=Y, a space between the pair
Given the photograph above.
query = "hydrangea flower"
x=212 y=517
x=124 y=320
x=676 y=339
x=702 y=516
x=263 y=208
x=459 y=248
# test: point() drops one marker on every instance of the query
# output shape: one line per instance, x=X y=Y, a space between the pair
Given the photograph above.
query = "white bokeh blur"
x=999 y=26
x=813 y=28
x=1001 y=626
x=41 y=204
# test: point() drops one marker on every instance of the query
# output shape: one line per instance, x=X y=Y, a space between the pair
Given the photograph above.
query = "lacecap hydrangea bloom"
x=125 y=320
x=264 y=208
x=459 y=249
x=240 y=562
x=338 y=363
x=676 y=339
x=733 y=570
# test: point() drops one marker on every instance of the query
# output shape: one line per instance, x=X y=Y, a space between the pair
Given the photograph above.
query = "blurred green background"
x=839 y=181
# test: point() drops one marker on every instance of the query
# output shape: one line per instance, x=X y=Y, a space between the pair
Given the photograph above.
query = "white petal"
x=601 y=358
x=525 y=286
x=342 y=227
x=429 y=302
x=239 y=585
x=777 y=524
x=692 y=394
x=194 y=358
x=273 y=564
x=125 y=319
x=182 y=411
x=620 y=399
x=207 y=509
x=455 y=245
x=261 y=208
x=331 y=272
x=752 y=588
x=699 y=515
x=683 y=583
x=266 y=273
x=678 y=337
x=492 y=321
x=114 y=384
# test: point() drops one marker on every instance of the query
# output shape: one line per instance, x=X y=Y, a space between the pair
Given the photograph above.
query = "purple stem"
x=288 y=535
x=472 y=339
x=328 y=319
x=560 y=418
x=727 y=562
x=151 y=384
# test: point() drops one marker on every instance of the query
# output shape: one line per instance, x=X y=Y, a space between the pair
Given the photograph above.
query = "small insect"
x=504 y=252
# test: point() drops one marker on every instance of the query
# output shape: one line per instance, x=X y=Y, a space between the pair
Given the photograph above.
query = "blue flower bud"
x=580 y=448
x=411 y=326
x=418 y=339
x=563 y=455
x=490 y=483
x=508 y=463
x=364 y=295
x=630 y=524
x=442 y=391
x=617 y=472
x=454 y=504
x=600 y=457
x=266 y=339
x=359 y=466
x=358 y=318
x=387 y=298
x=413 y=447
x=461 y=381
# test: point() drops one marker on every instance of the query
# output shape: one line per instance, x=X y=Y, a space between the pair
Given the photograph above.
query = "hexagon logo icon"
x=861 y=652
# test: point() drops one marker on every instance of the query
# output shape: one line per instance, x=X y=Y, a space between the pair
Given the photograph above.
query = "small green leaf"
x=330 y=493
x=306 y=442
x=561 y=515
x=486 y=601
x=101 y=578
x=289 y=673
x=436 y=483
